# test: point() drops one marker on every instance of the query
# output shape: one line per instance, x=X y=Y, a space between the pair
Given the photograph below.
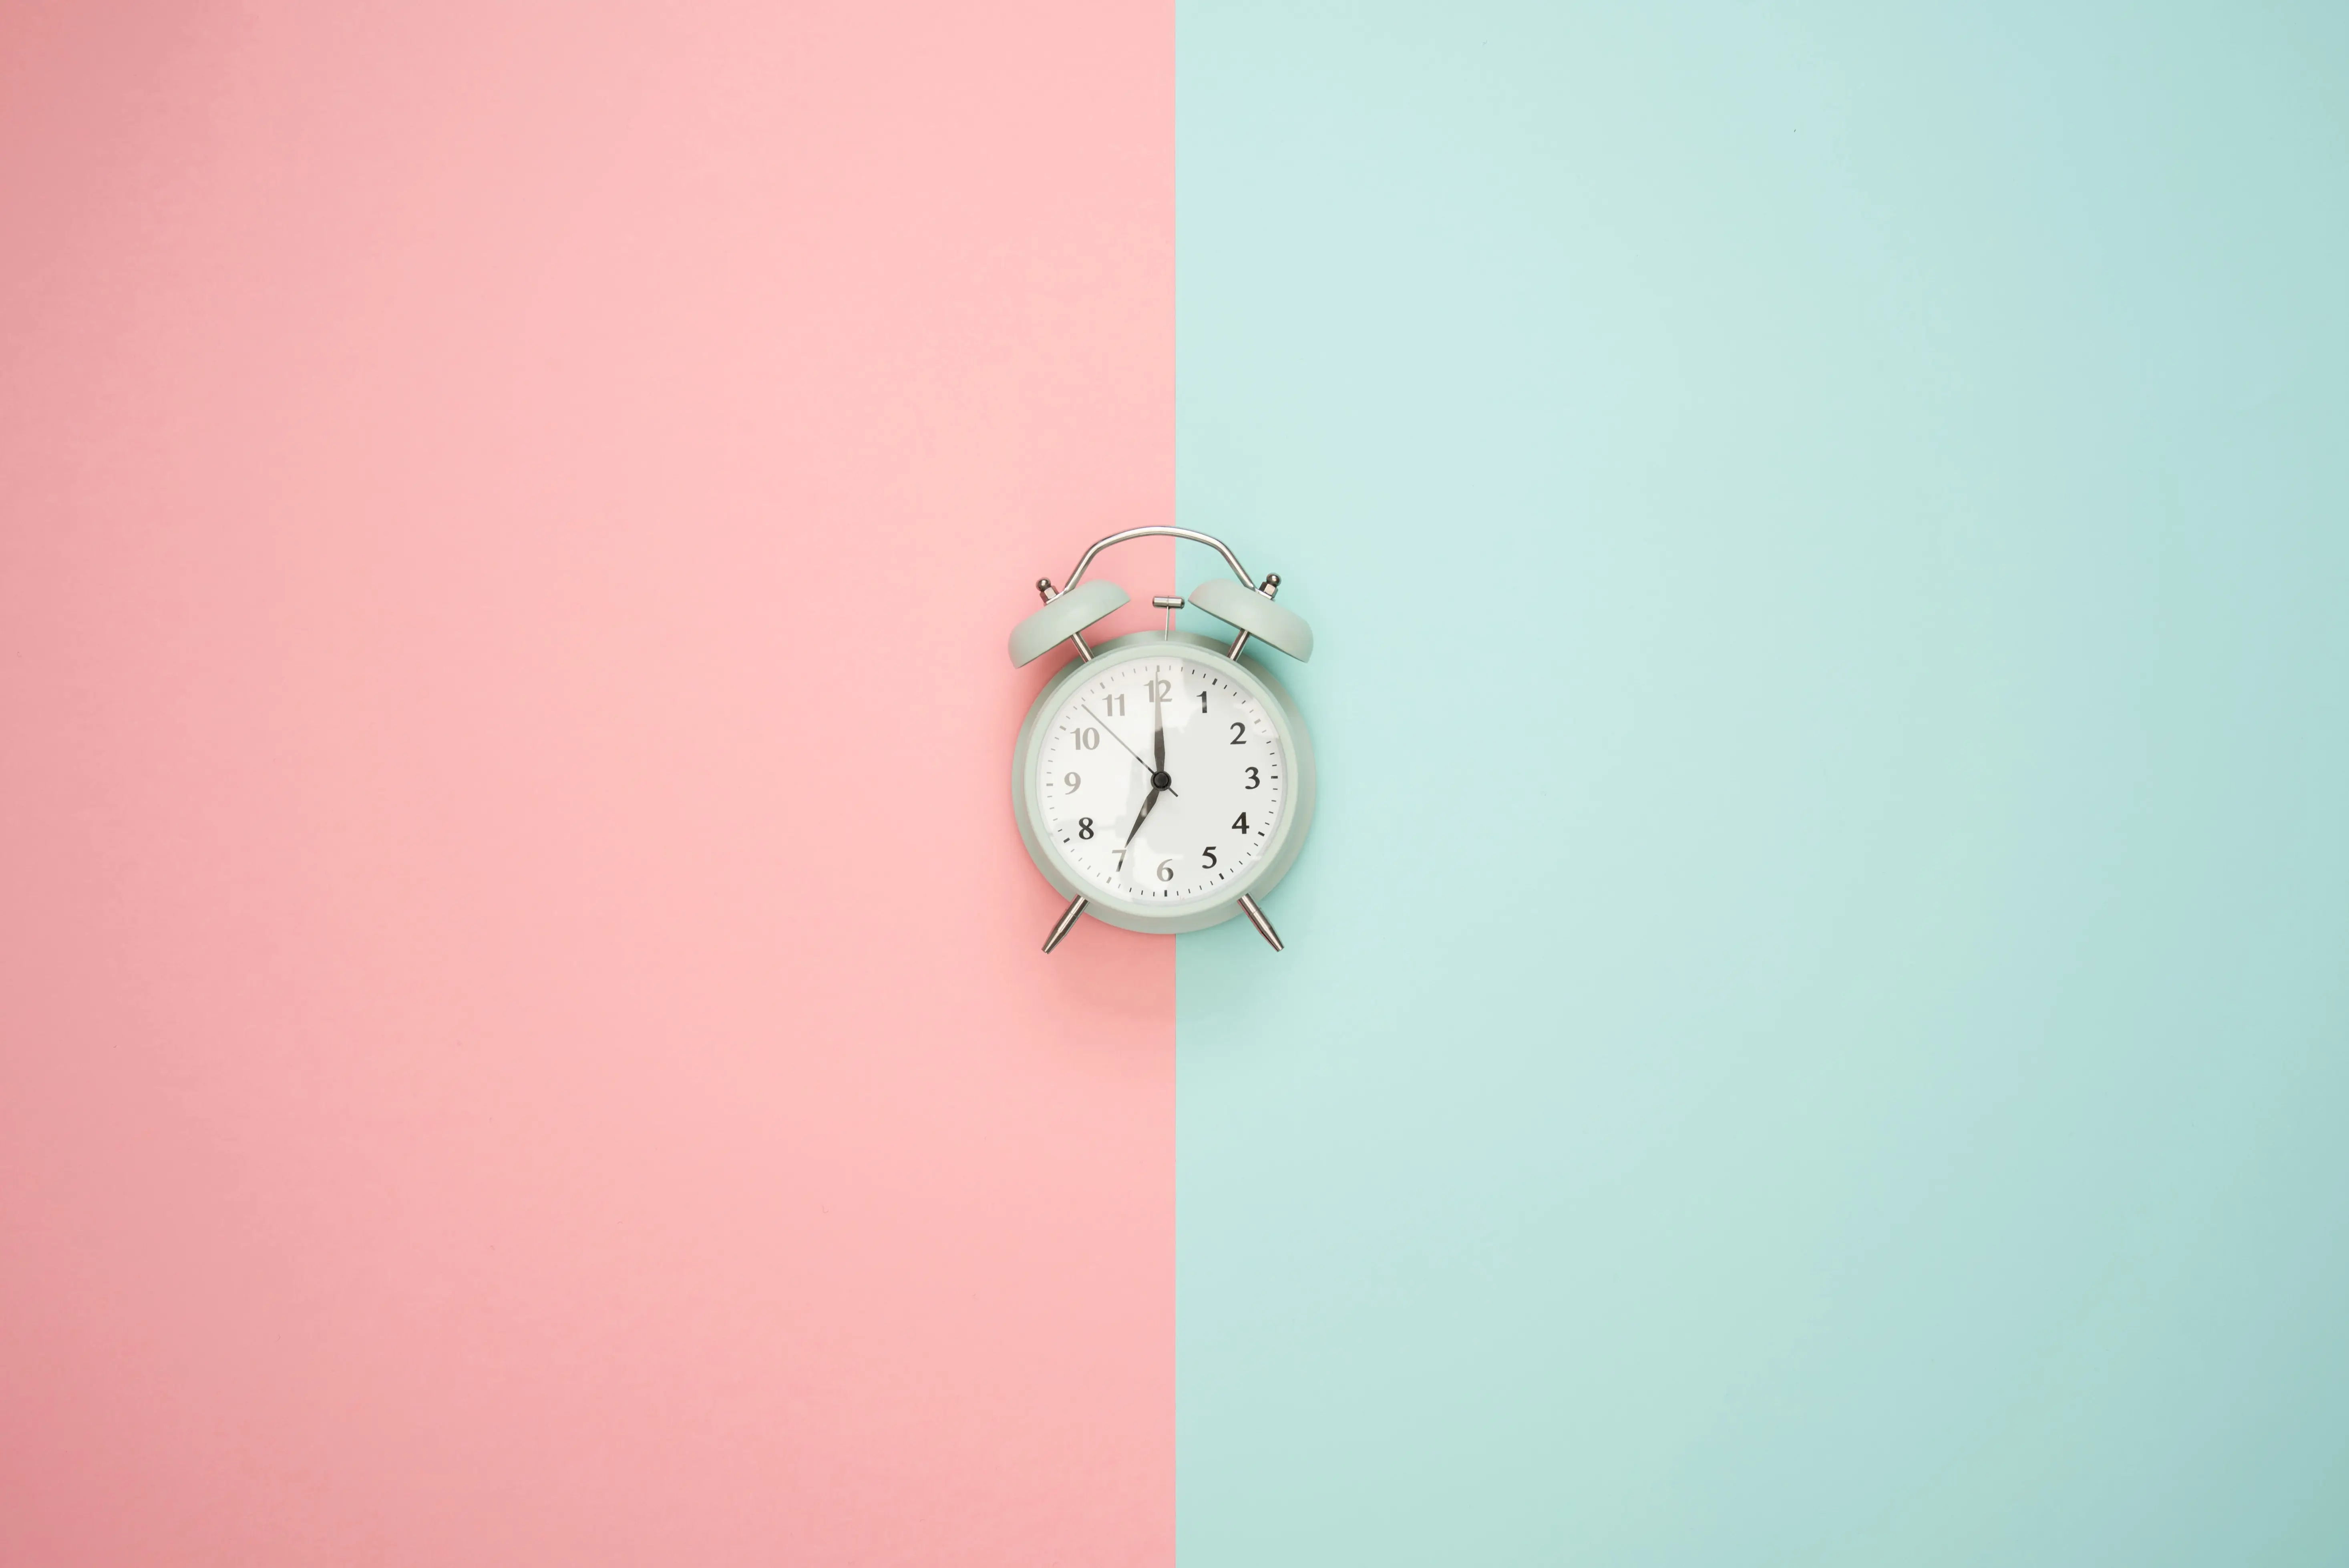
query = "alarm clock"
x=1162 y=782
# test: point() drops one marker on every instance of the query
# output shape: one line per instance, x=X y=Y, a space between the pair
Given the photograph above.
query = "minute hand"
x=1158 y=746
x=1158 y=728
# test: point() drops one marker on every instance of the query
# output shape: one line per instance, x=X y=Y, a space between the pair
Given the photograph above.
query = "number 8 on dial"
x=1163 y=782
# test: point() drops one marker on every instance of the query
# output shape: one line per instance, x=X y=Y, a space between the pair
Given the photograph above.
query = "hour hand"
x=1148 y=802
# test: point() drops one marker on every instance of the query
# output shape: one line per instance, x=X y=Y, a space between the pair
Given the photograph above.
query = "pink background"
x=522 y=1038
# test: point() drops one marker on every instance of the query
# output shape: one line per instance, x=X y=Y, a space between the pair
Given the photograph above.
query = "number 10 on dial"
x=1163 y=782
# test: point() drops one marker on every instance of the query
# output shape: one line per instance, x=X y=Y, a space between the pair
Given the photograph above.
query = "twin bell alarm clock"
x=1162 y=782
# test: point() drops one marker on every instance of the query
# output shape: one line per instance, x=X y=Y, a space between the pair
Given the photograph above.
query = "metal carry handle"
x=1158 y=531
x=1247 y=608
x=1076 y=603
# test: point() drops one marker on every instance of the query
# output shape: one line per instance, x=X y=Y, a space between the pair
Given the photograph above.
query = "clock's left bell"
x=1064 y=618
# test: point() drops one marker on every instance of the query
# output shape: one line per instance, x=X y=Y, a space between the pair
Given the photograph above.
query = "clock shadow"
x=1118 y=980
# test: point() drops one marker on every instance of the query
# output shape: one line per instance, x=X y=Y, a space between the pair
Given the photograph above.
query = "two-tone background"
x=1816 y=1025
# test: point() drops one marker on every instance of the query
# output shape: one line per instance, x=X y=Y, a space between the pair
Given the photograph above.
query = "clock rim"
x=1289 y=837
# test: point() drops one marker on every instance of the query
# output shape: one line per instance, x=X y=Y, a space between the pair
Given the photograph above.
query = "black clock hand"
x=1158 y=717
x=1130 y=751
x=1148 y=802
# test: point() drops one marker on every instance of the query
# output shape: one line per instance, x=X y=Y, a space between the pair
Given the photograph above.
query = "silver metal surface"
x=1271 y=586
x=1077 y=907
x=1247 y=907
x=1170 y=603
x=1217 y=545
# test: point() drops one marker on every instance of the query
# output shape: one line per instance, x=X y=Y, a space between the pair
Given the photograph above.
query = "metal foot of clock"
x=1256 y=918
x=1068 y=918
x=1162 y=782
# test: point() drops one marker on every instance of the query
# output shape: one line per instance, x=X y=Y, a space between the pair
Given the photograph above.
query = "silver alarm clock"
x=1162 y=781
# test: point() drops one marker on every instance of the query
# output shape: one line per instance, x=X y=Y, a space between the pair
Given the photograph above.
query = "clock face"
x=1162 y=780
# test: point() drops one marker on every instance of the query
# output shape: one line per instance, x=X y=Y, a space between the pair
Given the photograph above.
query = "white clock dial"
x=1171 y=832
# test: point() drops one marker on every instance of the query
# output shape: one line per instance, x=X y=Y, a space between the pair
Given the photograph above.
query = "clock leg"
x=1068 y=918
x=1256 y=918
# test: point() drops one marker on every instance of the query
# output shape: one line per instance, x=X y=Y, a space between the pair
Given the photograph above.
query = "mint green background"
x=1816 y=1027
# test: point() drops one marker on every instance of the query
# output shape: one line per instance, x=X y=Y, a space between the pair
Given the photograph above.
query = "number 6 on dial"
x=1197 y=788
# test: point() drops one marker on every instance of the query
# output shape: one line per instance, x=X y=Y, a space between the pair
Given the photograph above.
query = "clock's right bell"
x=1256 y=615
